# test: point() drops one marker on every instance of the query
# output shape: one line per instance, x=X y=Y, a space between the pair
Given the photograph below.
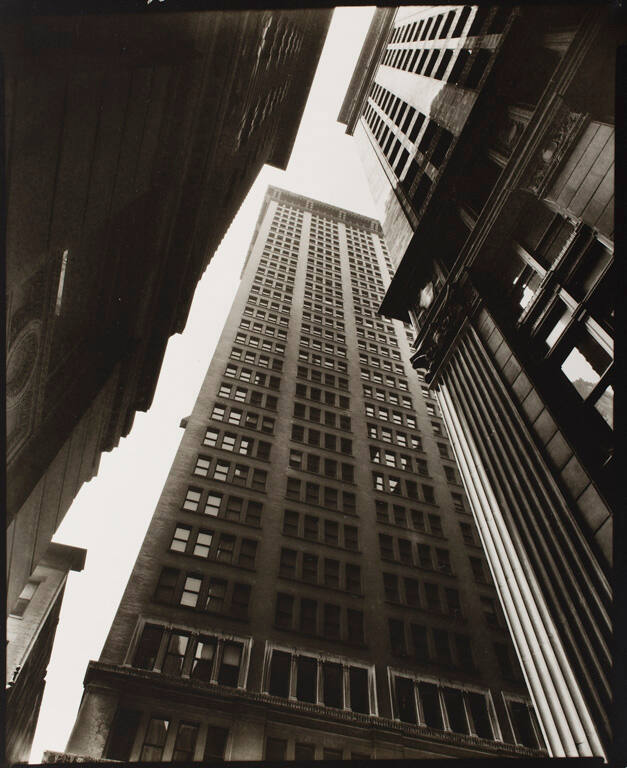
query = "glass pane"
x=430 y=705
x=585 y=364
x=306 y=681
x=148 y=647
x=280 y=674
x=203 y=658
x=480 y=716
x=405 y=701
x=358 y=679
x=454 y=701
x=523 y=727
x=332 y=685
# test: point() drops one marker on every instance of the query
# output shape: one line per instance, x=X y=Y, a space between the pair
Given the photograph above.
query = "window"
x=216 y=595
x=179 y=539
x=191 y=590
x=310 y=568
x=523 y=725
x=331 y=533
x=203 y=543
x=412 y=596
x=390 y=587
x=221 y=470
x=231 y=660
x=275 y=749
x=122 y=734
x=247 y=553
x=148 y=647
x=350 y=537
x=308 y=616
x=355 y=622
x=215 y=744
x=154 y=740
x=284 y=608
x=202 y=466
x=212 y=507
x=331 y=621
x=218 y=412
x=166 y=588
x=397 y=637
x=204 y=655
x=332 y=693
x=185 y=743
x=353 y=579
x=405 y=701
x=287 y=566
x=432 y=596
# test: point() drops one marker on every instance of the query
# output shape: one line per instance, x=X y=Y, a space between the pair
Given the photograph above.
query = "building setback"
x=131 y=141
x=31 y=628
x=488 y=134
x=300 y=592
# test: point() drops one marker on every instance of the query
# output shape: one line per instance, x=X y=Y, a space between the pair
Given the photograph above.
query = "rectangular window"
x=215 y=595
x=185 y=743
x=332 y=684
x=215 y=743
x=231 y=660
x=308 y=616
x=154 y=740
x=284 y=609
x=148 y=647
x=191 y=590
x=331 y=621
x=204 y=656
x=203 y=543
x=166 y=588
x=397 y=637
x=180 y=538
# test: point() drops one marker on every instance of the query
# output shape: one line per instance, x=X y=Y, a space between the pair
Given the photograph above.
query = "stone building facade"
x=301 y=593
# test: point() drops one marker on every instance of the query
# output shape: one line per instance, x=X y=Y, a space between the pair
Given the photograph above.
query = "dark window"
x=166 y=588
x=275 y=749
x=280 y=674
x=397 y=636
x=215 y=745
x=430 y=705
x=523 y=726
x=148 y=647
x=154 y=741
x=303 y=751
x=454 y=701
x=229 y=669
x=332 y=684
x=358 y=681
x=284 y=607
x=405 y=701
x=355 y=620
x=306 y=678
x=240 y=600
x=331 y=621
x=419 y=639
x=185 y=743
x=308 y=616
x=480 y=716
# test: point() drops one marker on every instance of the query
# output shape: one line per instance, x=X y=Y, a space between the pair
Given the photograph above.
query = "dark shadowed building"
x=131 y=141
x=488 y=134
x=31 y=628
x=312 y=584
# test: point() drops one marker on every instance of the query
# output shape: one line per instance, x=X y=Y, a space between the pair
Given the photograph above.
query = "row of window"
x=325 y=496
x=383 y=338
x=319 y=416
x=266 y=328
x=327 y=571
x=231 y=472
x=327 y=333
x=319 y=346
x=253 y=358
x=421 y=556
x=267 y=293
x=245 y=395
x=422 y=595
x=254 y=377
x=431 y=645
x=265 y=305
x=225 y=506
x=424 y=30
x=223 y=548
x=319 y=395
x=414 y=519
x=317 y=438
x=196 y=590
x=387 y=396
x=326 y=299
x=236 y=443
x=403 y=487
x=402 y=461
x=375 y=362
x=323 y=530
x=330 y=363
x=394 y=436
x=310 y=305
x=244 y=418
x=379 y=378
x=328 y=379
x=322 y=465
x=259 y=343
x=327 y=620
x=323 y=320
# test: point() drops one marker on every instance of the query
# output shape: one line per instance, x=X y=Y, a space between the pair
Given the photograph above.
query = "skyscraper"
x=489 y=133
x=311 y=584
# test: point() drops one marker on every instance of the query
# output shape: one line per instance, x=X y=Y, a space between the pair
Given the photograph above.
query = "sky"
x=111 y=513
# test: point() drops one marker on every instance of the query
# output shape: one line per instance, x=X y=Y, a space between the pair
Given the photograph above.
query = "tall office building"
x=489 y=135
x=311 y=584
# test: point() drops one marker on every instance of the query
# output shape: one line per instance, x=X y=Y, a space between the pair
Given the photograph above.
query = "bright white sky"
x=110 y=515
